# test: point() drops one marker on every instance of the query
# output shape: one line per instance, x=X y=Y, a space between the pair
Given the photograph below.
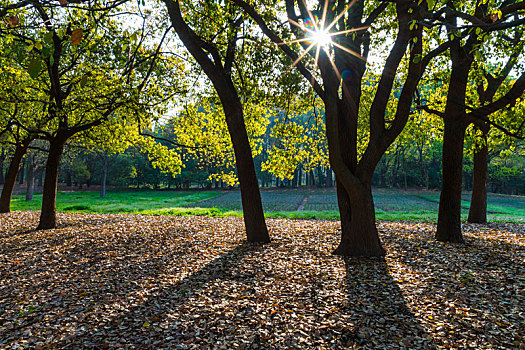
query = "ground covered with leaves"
x=144 y=282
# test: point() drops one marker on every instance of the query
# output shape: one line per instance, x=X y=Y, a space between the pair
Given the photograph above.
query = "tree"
x=87 y=67
x=217 y=60
x=15 y=114
x=345 y=73
x=486 y=93
x=479 y=21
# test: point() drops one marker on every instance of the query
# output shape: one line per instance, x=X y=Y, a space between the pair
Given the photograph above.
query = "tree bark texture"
x=104 y=178
x=478 y=202
x=361 y=237
x=48 y=213
x=2 y=160
x=256 y=230
x=21 y=173
x=11 y=177
x=455 y=125
x=30 y=179
x=449 y=215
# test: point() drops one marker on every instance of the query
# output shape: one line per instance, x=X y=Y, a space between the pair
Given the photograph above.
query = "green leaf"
x=35 y=66
x=46 y=51
x=83 y=82
x=48 y=37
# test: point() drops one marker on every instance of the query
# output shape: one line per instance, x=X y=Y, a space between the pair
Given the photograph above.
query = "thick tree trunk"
x=104 y=178
x=361 y=237
x=10 y=179
x=343 y=202
x=478 y=202
x=48 y=213
x=221 y=78
x=2 y=159
x=30 y=179
x=455 y=125
x=256 y=230
x=449 y=216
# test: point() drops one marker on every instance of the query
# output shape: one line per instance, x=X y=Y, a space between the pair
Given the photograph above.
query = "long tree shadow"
x=379 y=312
x=472 y=292
x=150 y=313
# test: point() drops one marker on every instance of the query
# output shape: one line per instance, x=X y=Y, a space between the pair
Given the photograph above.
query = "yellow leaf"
x=13 y=21
x=76 y=36
x=146 y=324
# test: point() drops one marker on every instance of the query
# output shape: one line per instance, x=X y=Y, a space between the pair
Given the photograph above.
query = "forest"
x=156 y=155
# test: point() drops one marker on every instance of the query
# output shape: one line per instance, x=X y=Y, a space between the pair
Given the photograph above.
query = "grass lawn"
x=303 y=203
x=128 y=202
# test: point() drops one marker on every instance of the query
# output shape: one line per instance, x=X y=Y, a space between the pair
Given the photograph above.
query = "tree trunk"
x=221 y=78
x=361 y=237
x=40 y=180
x=449 y=216
x=329 y=181
x=30 y=179
x=423 y=169
x=455 y=125
x=48 y=213
x=104 y=178
x=2 y=159
x=343 y=202
x=256 y=230
x=312 y=179
x=307 y=178
x=10 y=179
x=478 y=202
x=294 y=180
x=21 y=172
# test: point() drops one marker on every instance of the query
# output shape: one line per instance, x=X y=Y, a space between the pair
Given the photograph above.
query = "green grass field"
x=391 y=205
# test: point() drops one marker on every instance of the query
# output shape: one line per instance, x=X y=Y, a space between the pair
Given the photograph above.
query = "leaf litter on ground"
x=147 y=282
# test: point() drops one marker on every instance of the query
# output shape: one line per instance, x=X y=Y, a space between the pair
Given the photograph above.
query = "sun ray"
x=300 y=57
x=295 y=41
x=331 y=25
x=340 y=77
x=352 y=52
x=348 y=31
x=318 y=34
x=316 y=61
x=311 y=16
x=300 y=26
x=336 y=70
x=323 y=18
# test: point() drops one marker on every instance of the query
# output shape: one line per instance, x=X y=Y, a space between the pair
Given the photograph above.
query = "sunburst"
x=318 y=35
